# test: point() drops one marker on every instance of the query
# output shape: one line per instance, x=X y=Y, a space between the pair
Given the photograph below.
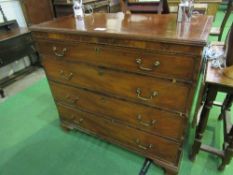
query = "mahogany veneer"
x=127 y=79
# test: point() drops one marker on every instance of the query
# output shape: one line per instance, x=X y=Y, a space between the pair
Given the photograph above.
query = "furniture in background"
x=140 y=97
x=153 y=6
x=216 y=80
x=211 y=10
x=64 y=7
x=37 y=11
x=15 y=43
x=218 y=31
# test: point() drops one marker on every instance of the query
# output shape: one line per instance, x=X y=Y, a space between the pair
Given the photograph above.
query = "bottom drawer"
x=145 y=144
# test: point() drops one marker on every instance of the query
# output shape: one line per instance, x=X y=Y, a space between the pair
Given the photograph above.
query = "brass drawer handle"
x=70 y=99
x=139 y=92
x=139 y=62
x=67 y=76
x=57 y=53
x=147 y=124
x=145 y=147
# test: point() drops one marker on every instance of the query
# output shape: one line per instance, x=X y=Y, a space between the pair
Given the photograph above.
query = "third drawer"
x=152 y=120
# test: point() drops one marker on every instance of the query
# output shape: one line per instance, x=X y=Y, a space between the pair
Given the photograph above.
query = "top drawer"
x=152 y=64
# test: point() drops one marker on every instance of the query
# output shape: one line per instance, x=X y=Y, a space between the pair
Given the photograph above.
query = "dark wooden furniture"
x=216 y=81
x=15 y=43
x=65 y=8
x=130 y=82
x=134 y=6
x=211 y=9
x=218 y=31
x=36 y=11
x=3 y=15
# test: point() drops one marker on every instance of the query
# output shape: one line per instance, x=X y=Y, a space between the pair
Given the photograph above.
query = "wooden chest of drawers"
x=128 y=79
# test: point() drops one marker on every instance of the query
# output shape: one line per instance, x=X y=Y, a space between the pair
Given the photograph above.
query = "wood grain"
x=128 y=136
x=111 y=81
x=170 y=66
x=165 y=123
x=170 y=95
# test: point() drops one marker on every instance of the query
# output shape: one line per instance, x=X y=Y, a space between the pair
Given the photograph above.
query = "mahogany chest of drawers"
x=127 y=79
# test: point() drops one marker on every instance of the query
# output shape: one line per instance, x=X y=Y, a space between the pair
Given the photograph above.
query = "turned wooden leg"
x=226 y=106
x=228 y=154
x=200 y=101
x=231 y=132
x=211 y=94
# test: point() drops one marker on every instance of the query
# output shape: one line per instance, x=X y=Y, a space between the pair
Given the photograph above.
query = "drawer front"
x=147 y=144
x=146 y=118
x=161 y=47
x=142 y=89
x=180 y=67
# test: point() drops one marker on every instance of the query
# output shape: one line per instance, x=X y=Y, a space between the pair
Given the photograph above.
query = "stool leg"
x=229 y=102
x=211 y=94
x=226 y=105
x=231 y=132
x=200 y=101
x=228 y=154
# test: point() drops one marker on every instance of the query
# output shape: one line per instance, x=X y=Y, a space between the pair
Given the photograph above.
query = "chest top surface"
x=147 y=27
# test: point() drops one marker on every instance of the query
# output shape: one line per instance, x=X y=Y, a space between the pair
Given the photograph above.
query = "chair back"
x=226 y=16
x=134 y=6
x=229 y=47
x=37 y=11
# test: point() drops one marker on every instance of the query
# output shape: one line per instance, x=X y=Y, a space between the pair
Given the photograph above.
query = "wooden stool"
x=216 y=81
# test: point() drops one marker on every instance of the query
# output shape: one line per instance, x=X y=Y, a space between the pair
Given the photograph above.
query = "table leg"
x=210 y=97
x=226 y=105
x=228 y=154
x=200 y=101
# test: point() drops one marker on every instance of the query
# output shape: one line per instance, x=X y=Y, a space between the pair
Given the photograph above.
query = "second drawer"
x=155 y=92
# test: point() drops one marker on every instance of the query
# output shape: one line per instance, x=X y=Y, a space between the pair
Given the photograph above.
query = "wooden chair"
x=36 y=12
x=134 y=6
x=217 y=80
x=218 y=31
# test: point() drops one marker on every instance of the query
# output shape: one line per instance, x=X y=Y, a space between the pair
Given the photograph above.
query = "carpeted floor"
x=32 y=143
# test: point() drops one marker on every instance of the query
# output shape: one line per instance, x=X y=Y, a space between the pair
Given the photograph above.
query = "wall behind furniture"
x=13 y=10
